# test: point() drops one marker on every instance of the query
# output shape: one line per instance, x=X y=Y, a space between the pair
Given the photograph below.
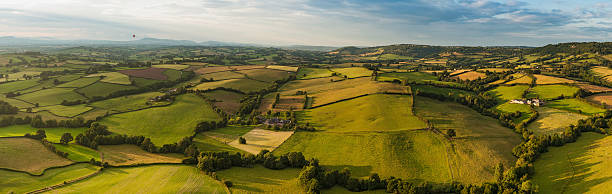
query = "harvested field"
x=284 y=68
x=260 y=139
x=171 y=66
x=552 y=120
x=150 y=73
x=310 y=73
x=495 y=69
x=19 y=182
x=353 y=72
x=113 y=77
x=266 y=75
x=51 y=96
x=246 y=67
x=262 y=180
x=601 y=71
x=593 y=88
x=601 y=99
x=287 y=103
x=118 y=155
x=244 y=85
x=544 y=79
x=29 y=155
x=228 y=101
x=223 y=75
x=82 y=82
x=471 y=75
x=205 y=70
x=525 y=79
x=459 y=71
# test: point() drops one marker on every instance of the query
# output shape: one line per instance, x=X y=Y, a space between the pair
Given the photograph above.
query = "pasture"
x=102 y=89
x=147 y=179
x=310 y=73
x=552 y=121
x=604 y=99
x=548 y=92
x=164 y=125
x=223 y=75
x=64 y=111
x=209 y=143
x=471 y=75
x=512 y=108
x=579 y=167
x=78 y=153
x=17 y=85
x=245 y=67
x=29 y=155
x=128 y=103
x=265 y=75
x=353 y=72
x=575 y=105
x=51 y=96
x=173 y=74
x=14 y=102
x=376 y=112
x=82 y=82
x=525 y=79
x=262 y=180
x=284 y=68
x=260 y=139
x=506 y=93
x=417 y=77
x=19 y=182
x=205 y=70
x=118 y=155
x=171 y=66
x=544 y=79
x=53 y=134
x=113 y=77
x=150 y=73
x=244 y=85
x=227 y=101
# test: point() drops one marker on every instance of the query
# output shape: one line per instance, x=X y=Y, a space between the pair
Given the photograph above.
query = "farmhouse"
x=535 y=101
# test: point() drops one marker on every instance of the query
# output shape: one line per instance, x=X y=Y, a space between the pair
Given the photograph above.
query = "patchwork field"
x=51 y=96
x=522 y=80
x=260 y=139
x=506 y=93
x=310 y=73
x=552 y=91
x=512 y=108
x=601 y=99
x=552 y=120
x=128 y=103
x=245 y=67
x=265 y=75
x=17 y=85
x=579 y=167
x=14 y=102
x=244 y=85
x=601 y=71
x=376 y=112
x=353 y=72
x=171 y=66
x=64 y=111
x=82 y=82
x=417 y=77
x=164 y=125
x=102 y=89
x=284 y=68
x=471 y=75
x=19 y=182
x=544 y=79
x=223 y=75
x=150 y=73
x=205 y=70
x=113 y=77
x=594 y=88
x=262 y=180
x=148 y=179
x=118 y=155
x=53 y=134
x=575 y=105
x=28 y=155
x=228 y=101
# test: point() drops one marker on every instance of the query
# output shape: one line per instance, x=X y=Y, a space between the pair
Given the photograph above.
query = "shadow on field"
x=358 y=171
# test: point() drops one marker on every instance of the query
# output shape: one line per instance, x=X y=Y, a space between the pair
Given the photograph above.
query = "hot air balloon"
x=133 y=35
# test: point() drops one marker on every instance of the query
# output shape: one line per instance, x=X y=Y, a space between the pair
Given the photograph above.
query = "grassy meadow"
x=78 y=153
x=19 y=182
x=552 y=120
x=262 y=180
x=29 y=155
x=51 y=96
x=53 y=134
x=575 y=105
x=547 y=92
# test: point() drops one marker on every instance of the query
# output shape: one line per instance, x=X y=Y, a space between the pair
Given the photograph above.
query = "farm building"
x=535 y=101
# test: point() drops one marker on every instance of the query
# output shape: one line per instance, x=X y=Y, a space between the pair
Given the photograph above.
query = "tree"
x=66 y=138
x=242 y=140
x=451 y=133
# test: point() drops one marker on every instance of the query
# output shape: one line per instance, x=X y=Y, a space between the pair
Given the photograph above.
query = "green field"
x=392 y=57
x=173 y=74
x=78 y=153
x=244 y=85
x=19 y=182
x=506 y=93
x=262 y=180
x=17 y=85
x=575 y=105
x=552 y=91
x=309 y=73
x=439 y=91
x=128 y=103
x=147 y=179
x=580 y=167
x=51 y=96
x=511 y=108
x=64 y=111
x=79 y=82
x=352 y=72
x=417 y=77
x=144 y=82
x=266 y=75
x=208 y=144
x=15 y=102
x=171 y=66
x=28 y=155
x=376 y=112
x=234 y=130
x=228 y=101
x=53 y=134
x=223 y=75
x=102 y=89
x=552 y=120
x=164 y=125
x=113 y=77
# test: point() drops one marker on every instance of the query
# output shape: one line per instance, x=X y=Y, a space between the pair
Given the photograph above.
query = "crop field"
x=128 y=103
x=171 y=66
x=102 y=89
x=244 y=85
x=82 y=82
x=601 y=71
x=480 y=144
x=150 y=73
x=575 y=105
x=594 y=88
x=173 y=74
x=521 y=80
x=552 y=120
x=118 y=155
x=544 y=79
x=113 y=77
x=245 y=67
x=579 y=167
x=14 y=102
x=19 y=182
x=29 y=155
x=310 y=73
x=261 y=139
x=284 y=68
x=495 y=69
x=418 y=77
x=51 y=96
x=144 y=82
x=440 y=91
x=392 y=57
x=459 y=71
x=471 y=75
x=552 y=91
x=266 y=75
x=53 y=134
x=601 y=99
x=378 y=112
x=208 y=143
x=78 y=153
x=228 y=101
x=17 y=85
x=511 y=108
x=42 y=85
x=205 y=70
x=262 y=180
x=506 y=93
x=223 y=75
x=353 y=72
x=64 y=111
x=147 y=179
x=164 y=125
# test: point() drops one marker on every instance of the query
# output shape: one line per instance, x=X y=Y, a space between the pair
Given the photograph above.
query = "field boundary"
x=44 y=170
x=355 y=97
x=53 y=187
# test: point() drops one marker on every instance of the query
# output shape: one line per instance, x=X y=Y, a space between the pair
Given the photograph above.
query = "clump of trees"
x=242 y=140
x=214 y=161
x=66 y=138
x=6 y=108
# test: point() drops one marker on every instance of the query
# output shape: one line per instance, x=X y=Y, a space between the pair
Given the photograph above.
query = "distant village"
x=534 y=101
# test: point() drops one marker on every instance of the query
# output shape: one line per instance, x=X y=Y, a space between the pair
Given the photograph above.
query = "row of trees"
x=6 y=108
x=38 y=122
x=215 y=161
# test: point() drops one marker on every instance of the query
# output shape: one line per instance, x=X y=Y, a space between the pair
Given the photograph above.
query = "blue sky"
x=315 y=22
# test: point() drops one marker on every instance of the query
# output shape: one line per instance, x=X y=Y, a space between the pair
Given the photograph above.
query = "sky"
x=315 y=22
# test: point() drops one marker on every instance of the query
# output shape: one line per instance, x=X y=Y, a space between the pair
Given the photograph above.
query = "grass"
x=266 y=75
x=144 y=82
x=171 y=66
x=244 y=85
x=53 y=134
x=471 y=75
x=575 y=105
x=208 y=144
x=228 y=101
x=125 y=154
x=552 y=120
x=262 y=180
x=25 y=154
x=64 y=111
x=51 y=96
x=82 y=82
x=440 y=91
x=128 y=103
x=506 y=93
x=353 y=72
x=480 y=144
x=205 y=70
x=417 y=77
x=579 y=167
x=511 y=108
x=234 y=130
x=148 y=179
x=223 y=75
x=552 y=91
x=284 y=68
x=544 y=79
x=17 y=85
x=393 y=57
x=164 y=125
x=260 y=139
x=15 y=102
x=521 y=80
x=113 y=77
x=78 y=153
x=376 y=112
x=18 y=182
x=102 y=89
x=601 y=99
x=310 y=73
x=173 y=74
